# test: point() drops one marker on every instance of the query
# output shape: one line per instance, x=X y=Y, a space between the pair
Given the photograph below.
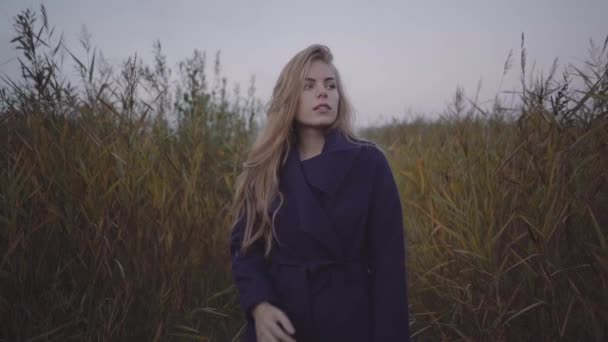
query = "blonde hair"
x=257 y=187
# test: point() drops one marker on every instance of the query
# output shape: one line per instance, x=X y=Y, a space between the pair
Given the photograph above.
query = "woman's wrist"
x=258 y=307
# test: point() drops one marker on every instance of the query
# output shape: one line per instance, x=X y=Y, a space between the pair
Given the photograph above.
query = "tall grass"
x=113 y=220
x=507 y=216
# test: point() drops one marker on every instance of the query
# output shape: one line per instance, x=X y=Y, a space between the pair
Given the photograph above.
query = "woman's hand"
x=267 y=318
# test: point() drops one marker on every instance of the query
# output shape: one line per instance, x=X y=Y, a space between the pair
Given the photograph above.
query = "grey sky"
x=394 y=56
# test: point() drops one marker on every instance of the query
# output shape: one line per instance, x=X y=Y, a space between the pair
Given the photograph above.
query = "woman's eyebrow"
x=308 y=79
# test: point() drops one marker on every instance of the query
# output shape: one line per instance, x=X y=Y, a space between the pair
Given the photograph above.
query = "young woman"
x=317 y=243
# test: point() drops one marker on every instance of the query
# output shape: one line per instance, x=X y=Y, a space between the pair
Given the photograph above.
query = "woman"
x=317 y=242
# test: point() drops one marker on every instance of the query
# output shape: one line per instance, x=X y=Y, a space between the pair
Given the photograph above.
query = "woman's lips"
x=322 y=107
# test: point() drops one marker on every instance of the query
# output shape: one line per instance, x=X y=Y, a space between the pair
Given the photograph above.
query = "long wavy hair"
x=257 y=187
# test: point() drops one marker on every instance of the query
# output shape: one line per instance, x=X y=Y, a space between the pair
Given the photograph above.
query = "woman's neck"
x=310 y=142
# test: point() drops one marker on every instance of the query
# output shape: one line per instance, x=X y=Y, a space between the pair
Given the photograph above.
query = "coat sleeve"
x=390 y=320
x=250 y=272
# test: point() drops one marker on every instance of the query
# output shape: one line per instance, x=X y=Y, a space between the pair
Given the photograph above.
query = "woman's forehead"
x=320 y=70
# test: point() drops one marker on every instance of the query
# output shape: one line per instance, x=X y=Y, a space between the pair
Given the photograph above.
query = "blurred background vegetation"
x=113 y=215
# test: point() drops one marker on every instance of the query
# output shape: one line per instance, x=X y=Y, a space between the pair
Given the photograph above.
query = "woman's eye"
x=307 y=86
x=332 y=86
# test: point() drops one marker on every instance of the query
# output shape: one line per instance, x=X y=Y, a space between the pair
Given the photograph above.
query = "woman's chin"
x=320 y=122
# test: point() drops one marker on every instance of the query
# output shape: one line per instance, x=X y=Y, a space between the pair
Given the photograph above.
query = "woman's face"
x=319 y=99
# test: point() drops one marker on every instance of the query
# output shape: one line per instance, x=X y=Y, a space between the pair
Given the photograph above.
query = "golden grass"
x=503 y=236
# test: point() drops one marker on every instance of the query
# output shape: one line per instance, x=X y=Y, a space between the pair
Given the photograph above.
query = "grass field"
x=113 y=222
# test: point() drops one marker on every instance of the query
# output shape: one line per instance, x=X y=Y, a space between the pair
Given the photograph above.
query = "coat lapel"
x=327 y=170
x=324 y=172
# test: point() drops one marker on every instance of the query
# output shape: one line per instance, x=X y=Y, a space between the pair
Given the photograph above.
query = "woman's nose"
x=322 y=93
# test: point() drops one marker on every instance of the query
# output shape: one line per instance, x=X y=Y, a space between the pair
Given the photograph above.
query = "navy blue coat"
x=337 y=267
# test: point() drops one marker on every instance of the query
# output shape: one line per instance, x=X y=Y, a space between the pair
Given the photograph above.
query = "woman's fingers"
x=285 y=322
x=278 y=333
x=273 y=333
x=267 y=337
x=272 y=325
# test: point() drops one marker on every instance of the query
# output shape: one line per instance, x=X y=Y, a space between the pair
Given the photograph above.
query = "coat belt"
x=314 y=270
x=314 y=275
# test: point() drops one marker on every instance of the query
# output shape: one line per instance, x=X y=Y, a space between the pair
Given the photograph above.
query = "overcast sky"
x=395 y=56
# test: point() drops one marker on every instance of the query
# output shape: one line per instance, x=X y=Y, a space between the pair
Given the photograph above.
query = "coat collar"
x=327 y=170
